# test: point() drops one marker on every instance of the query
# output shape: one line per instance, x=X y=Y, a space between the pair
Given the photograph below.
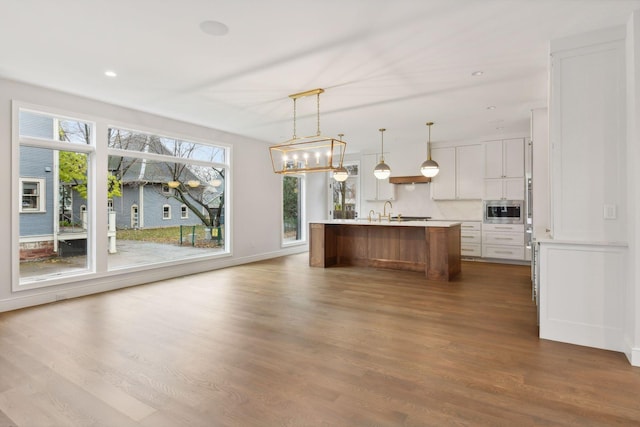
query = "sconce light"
x=193 y=183
x=173 y=184
x=382 y=170
x=429 y=168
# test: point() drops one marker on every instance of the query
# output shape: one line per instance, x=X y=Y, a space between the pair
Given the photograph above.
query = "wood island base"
x=432 y=249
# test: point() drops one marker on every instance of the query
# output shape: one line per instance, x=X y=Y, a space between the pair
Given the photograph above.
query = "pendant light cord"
x=294 y=118
x=318 y=110
x=429 y=124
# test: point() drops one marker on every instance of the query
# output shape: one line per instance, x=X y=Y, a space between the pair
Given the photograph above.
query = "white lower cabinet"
x=504 y=241
x=471 y=239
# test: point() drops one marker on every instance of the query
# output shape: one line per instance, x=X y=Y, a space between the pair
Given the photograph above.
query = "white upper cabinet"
x=513 y=158
x=504 y=169
x=493 y=160
x=469 y=171
x=504 y=158
x=443 y=185
x=460 y=175
x=374 y=189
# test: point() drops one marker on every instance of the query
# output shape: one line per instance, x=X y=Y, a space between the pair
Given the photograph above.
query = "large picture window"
x=161 y=176
x=148 y=176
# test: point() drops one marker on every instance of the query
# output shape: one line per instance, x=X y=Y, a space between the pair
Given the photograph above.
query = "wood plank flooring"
x=279 y=343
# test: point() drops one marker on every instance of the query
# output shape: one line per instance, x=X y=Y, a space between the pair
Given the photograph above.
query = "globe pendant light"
x=341 y=173
x=429 y=168
x=382 y=170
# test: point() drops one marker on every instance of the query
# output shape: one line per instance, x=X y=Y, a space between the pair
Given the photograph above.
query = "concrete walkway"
x=129 y=253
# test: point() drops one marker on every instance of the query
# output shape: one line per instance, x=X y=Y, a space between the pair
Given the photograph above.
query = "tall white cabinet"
x=582 y=263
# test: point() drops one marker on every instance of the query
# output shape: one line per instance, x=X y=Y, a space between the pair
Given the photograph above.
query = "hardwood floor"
x=280 y=343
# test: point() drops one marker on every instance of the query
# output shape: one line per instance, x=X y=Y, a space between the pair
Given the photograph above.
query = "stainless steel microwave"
x=503 y=212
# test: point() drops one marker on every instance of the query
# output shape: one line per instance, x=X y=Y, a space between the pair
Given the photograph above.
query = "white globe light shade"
x=341 y=174
x=429 y=168
x=382 y=170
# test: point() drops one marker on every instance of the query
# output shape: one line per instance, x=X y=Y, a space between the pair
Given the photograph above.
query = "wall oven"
x=503 y=212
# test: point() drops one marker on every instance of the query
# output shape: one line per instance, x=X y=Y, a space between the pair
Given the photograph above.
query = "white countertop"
x=387 y=223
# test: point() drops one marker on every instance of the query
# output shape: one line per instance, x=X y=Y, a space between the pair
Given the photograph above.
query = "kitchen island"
x=432 y=247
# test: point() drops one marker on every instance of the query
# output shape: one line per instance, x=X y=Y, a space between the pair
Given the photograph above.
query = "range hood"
x=418 y=179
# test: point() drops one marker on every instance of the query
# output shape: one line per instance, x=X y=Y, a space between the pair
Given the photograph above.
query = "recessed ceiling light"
x=110 y=73
x=499 y=128
x=477 y=73
x=491 y=107
x=214 y=28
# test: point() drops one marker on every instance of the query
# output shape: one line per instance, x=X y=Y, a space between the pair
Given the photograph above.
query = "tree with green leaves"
x=73 y=174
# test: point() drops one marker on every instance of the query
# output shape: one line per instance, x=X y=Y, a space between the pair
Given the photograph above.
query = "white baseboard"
x=632 y=353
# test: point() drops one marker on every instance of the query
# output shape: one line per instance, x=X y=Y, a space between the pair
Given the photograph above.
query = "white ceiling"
x=383 y=63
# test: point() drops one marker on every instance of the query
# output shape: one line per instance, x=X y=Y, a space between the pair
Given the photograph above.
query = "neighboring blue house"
x=37 y=219
x=147 y=197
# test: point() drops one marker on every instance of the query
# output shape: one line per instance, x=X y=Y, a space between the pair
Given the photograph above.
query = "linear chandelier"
x=315 y=153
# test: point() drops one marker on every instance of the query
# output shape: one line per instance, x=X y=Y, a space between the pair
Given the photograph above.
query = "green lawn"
x=169 y=235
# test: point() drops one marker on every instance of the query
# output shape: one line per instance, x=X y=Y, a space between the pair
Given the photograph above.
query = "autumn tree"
x=191 y=182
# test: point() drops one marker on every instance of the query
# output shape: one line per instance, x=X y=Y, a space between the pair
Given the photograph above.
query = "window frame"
x=134 y=223
x=55 y=145
x=41 y=196
x=166 y=212
x=302 y=214
x=184 y=211
x=331 y=182
x=98 y=153
x=166 y=190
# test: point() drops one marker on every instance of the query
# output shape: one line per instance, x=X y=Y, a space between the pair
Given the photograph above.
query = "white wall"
x=317 y=197
x=255 y=196
x=632 y=318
